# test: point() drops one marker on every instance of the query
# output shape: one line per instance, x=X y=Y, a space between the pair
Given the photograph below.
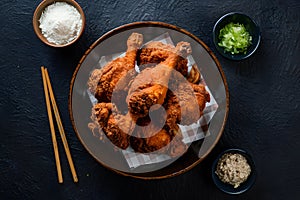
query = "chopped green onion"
x=235 y=38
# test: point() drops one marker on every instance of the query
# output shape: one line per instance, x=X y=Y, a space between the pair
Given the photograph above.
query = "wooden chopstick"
x=60 y=127
x=49 y=91
x=57 y=160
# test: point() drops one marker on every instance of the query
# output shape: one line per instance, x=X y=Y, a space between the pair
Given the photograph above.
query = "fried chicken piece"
x=121 y=91
x=116 y=127
x=157 y=133
x=141 y=143
x=102 y=82
x=151 y=85
x=184 y=104
x=153 y=138
x=156 y=52
x=185 y=101
x=177 y=147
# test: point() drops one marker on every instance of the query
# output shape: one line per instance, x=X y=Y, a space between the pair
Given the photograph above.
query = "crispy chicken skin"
x=177 y=147
x=151 y=85
x=156 y=52
x=152 y=138
x=103 y=81
x=116 y=127
x=185 y=101
x=142 y=143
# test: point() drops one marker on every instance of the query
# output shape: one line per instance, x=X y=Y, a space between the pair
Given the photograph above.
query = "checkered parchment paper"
x=191 y=133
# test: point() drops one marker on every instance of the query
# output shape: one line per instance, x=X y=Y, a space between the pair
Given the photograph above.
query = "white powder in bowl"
x=60 y=23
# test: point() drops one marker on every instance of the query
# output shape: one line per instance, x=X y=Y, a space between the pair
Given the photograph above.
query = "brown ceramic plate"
x=80 y=104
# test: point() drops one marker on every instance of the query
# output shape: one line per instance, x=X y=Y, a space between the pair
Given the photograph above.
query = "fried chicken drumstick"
x=102 y=82
x=160 y=142
x=185 y=101
x=116 y=127
x=156 y=52
x=151 y=85
x=159 y=135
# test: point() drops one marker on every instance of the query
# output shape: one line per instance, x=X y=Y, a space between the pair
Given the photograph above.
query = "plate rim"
x=137 y=25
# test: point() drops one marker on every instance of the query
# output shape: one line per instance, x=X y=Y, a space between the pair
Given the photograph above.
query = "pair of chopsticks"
x=48 y=91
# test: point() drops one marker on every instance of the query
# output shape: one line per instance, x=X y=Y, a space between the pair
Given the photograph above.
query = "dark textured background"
x=264 y=116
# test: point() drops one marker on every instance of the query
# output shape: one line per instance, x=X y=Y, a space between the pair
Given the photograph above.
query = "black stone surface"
x=264 y=117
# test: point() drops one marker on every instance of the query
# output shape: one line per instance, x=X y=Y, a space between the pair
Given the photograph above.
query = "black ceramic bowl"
x=250 y=26
x=227 y=188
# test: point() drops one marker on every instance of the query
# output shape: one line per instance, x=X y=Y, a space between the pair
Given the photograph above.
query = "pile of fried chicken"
x=143 y=110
